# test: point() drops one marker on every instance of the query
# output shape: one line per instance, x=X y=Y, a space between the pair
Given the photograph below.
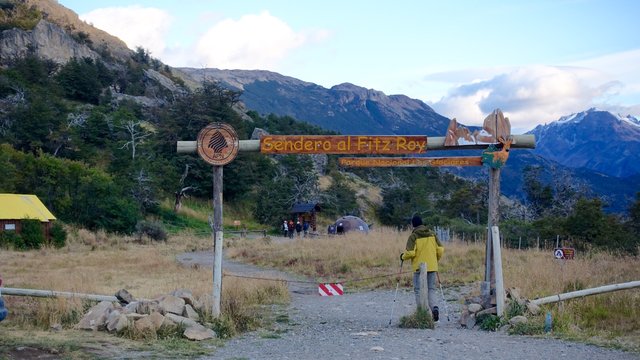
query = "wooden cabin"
x=17 y=207
x=306 y=212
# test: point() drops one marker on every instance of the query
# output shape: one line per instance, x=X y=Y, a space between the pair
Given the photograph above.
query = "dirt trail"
x=355 y=326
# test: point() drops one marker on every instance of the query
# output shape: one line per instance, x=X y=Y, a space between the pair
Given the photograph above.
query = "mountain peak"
x=359 y=91
x=594 y=139
x=576 y=118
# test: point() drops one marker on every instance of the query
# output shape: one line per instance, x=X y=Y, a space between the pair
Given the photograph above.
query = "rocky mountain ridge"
x=345 y=108
x=594 y=139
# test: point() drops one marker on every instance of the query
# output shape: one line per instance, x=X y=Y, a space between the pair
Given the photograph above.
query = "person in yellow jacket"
x=423 y=246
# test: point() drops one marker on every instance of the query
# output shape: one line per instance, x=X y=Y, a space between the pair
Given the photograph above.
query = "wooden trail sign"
x=410 y=161
x=343 y=144
x=218 y=144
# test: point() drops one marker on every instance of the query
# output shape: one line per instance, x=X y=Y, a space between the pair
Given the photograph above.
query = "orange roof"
x=18 y=206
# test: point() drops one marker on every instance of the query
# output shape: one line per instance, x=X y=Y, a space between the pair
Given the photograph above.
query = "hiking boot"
x=436 y=314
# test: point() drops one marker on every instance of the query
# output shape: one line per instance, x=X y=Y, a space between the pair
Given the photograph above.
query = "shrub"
x=32 y=233
x=514 y=309
x=527 y=328
x=421 y=319
x=489 y=322
x=58 y=235
x=153 y=229
x=11 y=239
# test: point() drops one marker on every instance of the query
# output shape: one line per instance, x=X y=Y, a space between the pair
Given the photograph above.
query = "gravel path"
x=355 y=326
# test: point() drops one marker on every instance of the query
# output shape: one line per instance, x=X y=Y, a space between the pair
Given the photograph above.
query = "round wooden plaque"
x=218 y=144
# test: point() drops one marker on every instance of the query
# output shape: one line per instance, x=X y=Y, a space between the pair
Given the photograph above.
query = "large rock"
x=135 y=316
x=514 y=294
x=148 y=307
x=163 y=81
x=117 y=321
x=180 y=320
x=47 y=40
x=198 y=332
x=474 y=308
x=145 y=325
x=190 y=313
x=157 y=320
x=518 y=320
x=185 y=295
x=124 y=297
x=132 y=307
x=171 y=304
x=96 y=318
x=204 y=302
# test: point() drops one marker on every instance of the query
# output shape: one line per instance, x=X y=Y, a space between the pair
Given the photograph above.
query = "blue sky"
x=535 y=60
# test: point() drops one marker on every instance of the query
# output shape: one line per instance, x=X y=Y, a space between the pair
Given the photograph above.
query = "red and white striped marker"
x=331 y=289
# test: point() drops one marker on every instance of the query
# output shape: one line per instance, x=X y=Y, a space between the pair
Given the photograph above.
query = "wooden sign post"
x=218 y=145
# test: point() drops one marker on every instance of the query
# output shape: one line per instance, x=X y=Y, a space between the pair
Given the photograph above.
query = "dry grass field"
x=100 y=264
x=611 y=319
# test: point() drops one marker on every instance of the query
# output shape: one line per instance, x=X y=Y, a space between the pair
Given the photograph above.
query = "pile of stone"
x=178 y=308
x=473 y=309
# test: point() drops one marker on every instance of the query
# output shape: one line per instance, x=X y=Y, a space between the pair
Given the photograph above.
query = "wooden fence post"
x=497 y=261
x=217 y=239
x=424 y=289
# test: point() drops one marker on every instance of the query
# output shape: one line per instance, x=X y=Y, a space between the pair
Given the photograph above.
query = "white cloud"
x=135 y=25
x=534 y=94
x=252 y=42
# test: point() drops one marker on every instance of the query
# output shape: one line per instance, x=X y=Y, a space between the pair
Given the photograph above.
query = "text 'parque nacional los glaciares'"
x=343 y=144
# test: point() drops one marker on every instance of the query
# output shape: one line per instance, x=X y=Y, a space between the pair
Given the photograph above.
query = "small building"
x=17 y=207
x=348 y=223
x=306 y=212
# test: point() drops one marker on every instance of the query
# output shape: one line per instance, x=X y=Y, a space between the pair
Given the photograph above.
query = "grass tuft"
x=421 y=319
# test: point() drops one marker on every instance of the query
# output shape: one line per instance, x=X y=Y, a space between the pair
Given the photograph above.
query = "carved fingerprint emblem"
x=217 y=142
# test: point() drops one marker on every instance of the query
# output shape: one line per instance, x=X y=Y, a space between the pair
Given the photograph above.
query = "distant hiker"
x=3 y=311
x=423 y=246
x=285 y=228
x=305 y=227
x=298 y=228
x=291 y=229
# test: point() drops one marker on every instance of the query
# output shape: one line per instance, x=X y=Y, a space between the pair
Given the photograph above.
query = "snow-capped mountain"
x=594 y=139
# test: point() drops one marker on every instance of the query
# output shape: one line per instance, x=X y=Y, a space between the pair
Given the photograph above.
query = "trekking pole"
x=396 y=293
x=444 y=301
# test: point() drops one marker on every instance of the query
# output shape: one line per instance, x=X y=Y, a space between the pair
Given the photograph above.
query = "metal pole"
x=52 y=293
x=395 y=295
x=586 y=292
x=217 y=239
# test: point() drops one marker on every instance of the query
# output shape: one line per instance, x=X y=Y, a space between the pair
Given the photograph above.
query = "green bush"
x=489 y=322
x=58 y=235
x=10 y=239
x=32 y=233
x=153 y=229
